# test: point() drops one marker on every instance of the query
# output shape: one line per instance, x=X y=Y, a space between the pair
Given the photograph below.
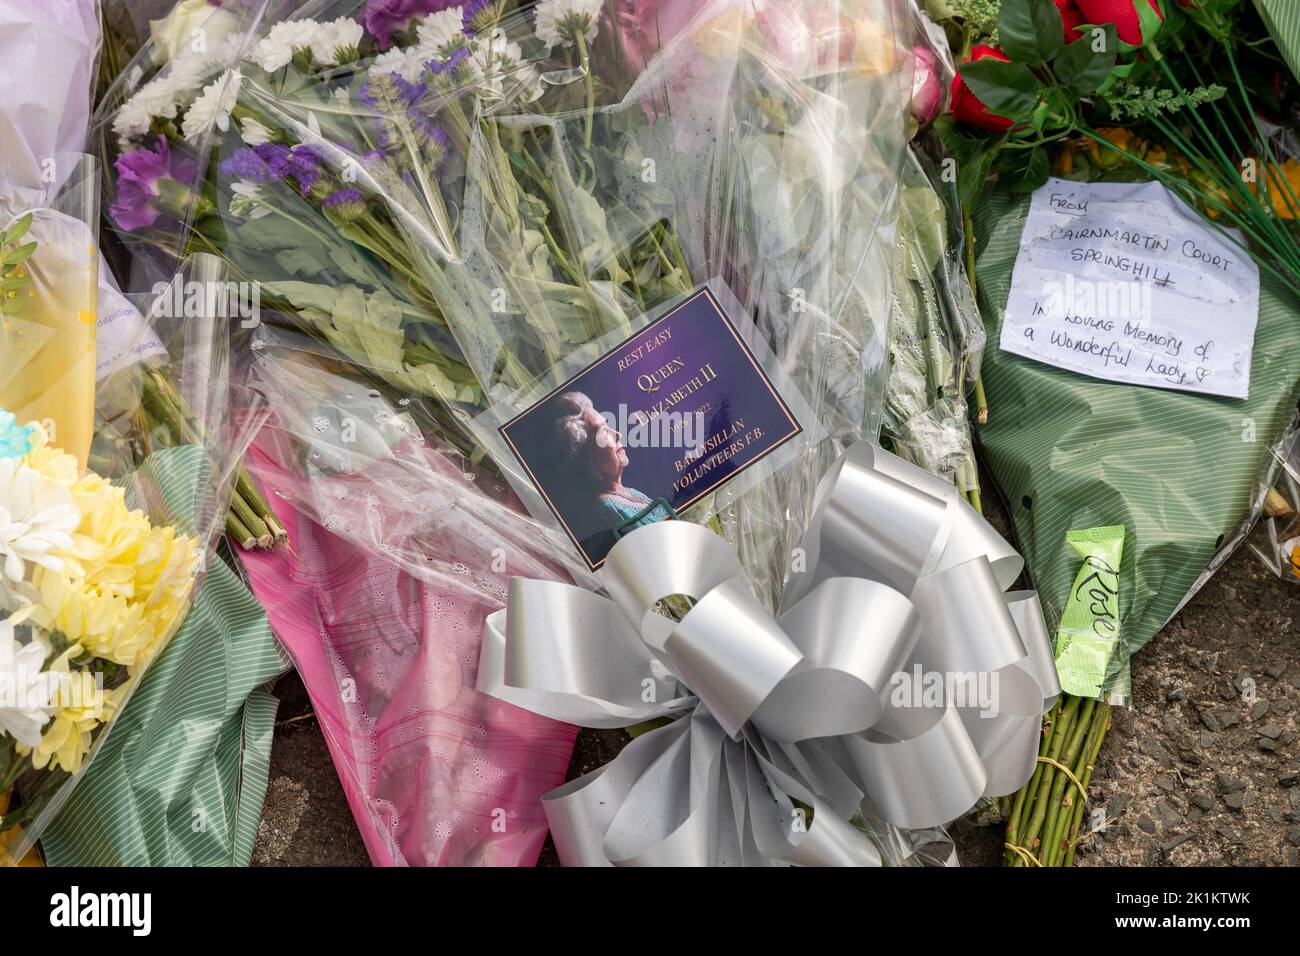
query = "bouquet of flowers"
x=1188 y=95
x=100 y=564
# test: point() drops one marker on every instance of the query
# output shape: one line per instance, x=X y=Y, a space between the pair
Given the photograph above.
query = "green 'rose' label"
x=1089 y=630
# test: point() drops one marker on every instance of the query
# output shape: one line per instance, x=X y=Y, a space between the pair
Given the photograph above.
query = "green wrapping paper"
x=1282 y=17
x=1177 y=470
x=182 y=776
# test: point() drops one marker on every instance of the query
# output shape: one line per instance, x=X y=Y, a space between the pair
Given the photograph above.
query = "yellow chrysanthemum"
x=125 y=583
x=81 y=707
x=56 y=465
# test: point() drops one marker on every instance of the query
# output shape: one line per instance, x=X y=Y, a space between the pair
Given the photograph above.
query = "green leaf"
x=1083 y=70
x=1032 y=173
x=1008 y=89
x=18 y=229
x=972 y=174
x=1149 y=21
x=1031 y=31
x=19 y=255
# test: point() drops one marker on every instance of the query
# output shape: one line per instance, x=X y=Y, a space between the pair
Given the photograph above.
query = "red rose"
x=966 y=107
x=1071 y=17
x=1122 y=13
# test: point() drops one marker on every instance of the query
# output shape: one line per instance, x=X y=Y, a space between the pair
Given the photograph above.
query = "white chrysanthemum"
x=213 y=106
x=36 y=516
x=497 y=64
x=253 y=132
x=277 y=48
x=442 y=33
x=166 y=93
x=335 y=38
x=405 y=63
x=24 y=686
x=156 y=99
x=559 y=22
x=247 y=201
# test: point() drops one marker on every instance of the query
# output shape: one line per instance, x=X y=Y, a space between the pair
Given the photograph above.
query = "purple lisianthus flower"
x=244 y=163
x=143 y=176
x=382 y=17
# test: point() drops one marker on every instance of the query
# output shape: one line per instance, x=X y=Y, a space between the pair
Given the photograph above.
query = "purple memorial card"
x=650 y=427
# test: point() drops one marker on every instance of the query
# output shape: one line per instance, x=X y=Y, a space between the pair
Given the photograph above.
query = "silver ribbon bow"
x=808 y=707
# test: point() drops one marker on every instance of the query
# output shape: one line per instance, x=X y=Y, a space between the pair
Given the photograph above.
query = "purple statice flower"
x=345 y=203
x=434 y=136
x=478 y=15
x=276 y=158
x=382 y=17
x=143 y=176
x=244 y=163
x=305 y=166
x=390 y=93
x=449 y=65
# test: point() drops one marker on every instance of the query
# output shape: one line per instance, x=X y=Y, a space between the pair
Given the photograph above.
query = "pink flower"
x=647 y=26
x=926 y=88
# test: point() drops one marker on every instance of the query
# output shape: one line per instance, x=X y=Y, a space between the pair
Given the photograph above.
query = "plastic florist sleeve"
x=401 y=547
x=101 y=563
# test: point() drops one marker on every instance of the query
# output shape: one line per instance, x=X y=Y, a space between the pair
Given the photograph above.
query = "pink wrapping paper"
x=436 y=773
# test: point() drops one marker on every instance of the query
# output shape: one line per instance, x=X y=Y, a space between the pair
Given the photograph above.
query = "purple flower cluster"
x=448 y=66
x=390 y=93
x=245 y=164
x=270 y=161
x=142 y=176
x=345 y=203
x=477 y=15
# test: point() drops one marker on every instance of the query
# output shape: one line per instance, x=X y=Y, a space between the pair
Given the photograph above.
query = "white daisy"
x=162 y=96
x=441 y=33
x=497 y=63
x=156 y=99
x=213 y=106
x=287 y=37
x=559 y=22
x=246 y=200
x=335 y=39
x=405 y=63
x=253 y=132
x=36 y=516
x=24 y=686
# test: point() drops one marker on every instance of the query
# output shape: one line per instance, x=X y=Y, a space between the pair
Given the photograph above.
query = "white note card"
x=1123 y=282
x=122 y=336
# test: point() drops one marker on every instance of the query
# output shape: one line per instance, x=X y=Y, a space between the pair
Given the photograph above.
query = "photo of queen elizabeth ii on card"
x=650 y=427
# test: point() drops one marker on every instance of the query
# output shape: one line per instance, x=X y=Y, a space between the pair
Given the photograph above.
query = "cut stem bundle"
x=1046 y=815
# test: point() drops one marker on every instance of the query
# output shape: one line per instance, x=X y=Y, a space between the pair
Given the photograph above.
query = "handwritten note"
x=1123 y=282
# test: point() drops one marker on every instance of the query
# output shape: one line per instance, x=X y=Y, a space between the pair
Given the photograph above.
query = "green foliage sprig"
x=14 y=253
x=1148 y=102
